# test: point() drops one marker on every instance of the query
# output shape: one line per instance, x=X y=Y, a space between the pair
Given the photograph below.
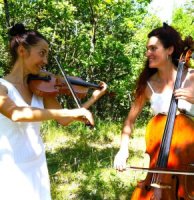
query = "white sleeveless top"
x=160 y=102
x=23 y=168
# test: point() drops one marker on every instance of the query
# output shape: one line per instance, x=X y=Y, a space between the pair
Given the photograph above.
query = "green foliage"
x=95 y=40
x=183 y=21
x=91 y=38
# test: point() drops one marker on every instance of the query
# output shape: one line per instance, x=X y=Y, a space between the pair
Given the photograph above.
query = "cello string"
x=167 y=135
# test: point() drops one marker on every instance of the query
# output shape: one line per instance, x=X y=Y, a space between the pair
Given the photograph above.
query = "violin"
x=170 y=145
x=47 y=84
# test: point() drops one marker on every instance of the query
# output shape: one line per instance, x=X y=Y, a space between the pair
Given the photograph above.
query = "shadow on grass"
x=80 y=163
x=90 y=168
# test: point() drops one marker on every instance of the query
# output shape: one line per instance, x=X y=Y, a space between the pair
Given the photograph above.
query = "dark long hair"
x=168 y=37
x=18 y=35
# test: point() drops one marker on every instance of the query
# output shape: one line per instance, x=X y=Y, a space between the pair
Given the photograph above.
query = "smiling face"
x=35 y=58
x=156 y=53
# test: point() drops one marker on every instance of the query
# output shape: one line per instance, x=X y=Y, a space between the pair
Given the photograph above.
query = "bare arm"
x=25 y=114
x=130 y=121
x=187 y=93
x=97 y=94
x=53 y=103
x=122 y=155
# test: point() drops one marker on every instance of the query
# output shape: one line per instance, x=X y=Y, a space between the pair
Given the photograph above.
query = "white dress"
x=23 y=167
x=160 y=102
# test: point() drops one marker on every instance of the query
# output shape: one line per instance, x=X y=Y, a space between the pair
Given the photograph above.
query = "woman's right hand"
x=121 y=159
x=81 y=114
x=86 y=116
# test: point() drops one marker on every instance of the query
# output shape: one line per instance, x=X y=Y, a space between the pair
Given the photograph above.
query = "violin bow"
x=77 y=100
x=69 y=84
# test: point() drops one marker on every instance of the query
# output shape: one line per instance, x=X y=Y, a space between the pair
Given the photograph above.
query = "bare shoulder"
x=3 y=89
x=148 y=93
x=191 y=75
x=191 y=71
x=151 y=85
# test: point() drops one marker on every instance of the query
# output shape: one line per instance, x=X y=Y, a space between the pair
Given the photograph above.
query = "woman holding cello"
x=23 y=168
x=170 y=144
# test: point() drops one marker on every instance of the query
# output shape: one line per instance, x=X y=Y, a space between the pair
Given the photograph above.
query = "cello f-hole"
x=177 y=186
x=189 y=183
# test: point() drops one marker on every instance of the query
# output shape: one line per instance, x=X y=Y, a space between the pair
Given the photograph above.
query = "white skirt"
x=29 y=181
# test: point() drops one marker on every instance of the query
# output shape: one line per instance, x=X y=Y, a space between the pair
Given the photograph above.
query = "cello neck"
x=168 y=131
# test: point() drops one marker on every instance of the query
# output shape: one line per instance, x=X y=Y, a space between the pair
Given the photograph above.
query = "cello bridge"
x=161 y=186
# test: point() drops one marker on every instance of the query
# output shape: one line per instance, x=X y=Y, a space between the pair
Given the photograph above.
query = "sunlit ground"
x=80 y=162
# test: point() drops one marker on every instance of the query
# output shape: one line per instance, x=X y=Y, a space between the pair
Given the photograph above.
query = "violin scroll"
x=188 y=50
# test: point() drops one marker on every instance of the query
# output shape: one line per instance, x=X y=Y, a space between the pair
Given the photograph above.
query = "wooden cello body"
x=170 y=145
x=181 y=156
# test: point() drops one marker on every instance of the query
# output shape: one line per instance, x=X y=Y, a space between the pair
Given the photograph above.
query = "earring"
x=168 y=57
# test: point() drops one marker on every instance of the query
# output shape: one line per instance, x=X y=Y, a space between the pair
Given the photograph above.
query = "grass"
x=80 y=161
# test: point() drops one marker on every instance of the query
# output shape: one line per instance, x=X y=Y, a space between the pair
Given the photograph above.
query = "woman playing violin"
x=23 y=168
x=156 y=83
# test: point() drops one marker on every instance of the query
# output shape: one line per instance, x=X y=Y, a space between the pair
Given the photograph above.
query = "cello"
x=170 y=145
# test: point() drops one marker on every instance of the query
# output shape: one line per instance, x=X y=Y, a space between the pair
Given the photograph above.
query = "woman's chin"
x=152 y=66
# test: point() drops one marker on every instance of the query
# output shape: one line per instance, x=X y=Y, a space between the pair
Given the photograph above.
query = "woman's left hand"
x=96 y=95
x=185 y=93
x=100 y=92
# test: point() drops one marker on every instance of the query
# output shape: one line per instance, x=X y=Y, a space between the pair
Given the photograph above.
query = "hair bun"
x=17 y=29
x=165 y=25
